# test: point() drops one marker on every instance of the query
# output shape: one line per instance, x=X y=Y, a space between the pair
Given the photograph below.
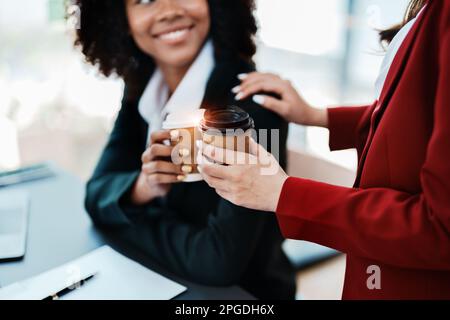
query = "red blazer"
x=397 y=217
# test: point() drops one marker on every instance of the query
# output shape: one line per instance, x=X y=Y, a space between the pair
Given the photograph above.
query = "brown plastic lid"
x=229 y=118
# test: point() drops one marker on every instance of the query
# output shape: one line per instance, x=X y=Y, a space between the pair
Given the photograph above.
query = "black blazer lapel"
x=222 y=80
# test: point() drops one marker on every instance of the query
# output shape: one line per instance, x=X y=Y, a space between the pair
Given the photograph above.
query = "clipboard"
x=116 y=278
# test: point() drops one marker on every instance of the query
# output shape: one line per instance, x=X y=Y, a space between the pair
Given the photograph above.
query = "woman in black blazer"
x=186 y=227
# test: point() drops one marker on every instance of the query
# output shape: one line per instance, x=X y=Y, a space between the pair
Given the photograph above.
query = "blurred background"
x=55 y=107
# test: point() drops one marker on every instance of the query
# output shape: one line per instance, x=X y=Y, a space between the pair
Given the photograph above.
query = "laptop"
x=25 y=174
x=14 y=207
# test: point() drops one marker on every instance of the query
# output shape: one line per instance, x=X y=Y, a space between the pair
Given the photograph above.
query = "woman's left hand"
x=252 y=180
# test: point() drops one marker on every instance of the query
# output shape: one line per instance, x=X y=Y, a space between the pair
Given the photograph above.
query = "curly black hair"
x=104 y=38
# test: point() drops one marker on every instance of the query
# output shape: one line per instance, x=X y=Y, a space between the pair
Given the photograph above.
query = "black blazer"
x=192 y=231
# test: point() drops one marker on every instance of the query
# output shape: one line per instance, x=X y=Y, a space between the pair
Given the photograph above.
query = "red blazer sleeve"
x=401 y=229
x=343 y=124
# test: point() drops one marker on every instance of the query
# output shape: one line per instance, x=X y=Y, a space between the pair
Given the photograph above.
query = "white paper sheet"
x=116 y=278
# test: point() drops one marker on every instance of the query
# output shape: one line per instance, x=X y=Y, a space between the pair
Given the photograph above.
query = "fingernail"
x=181 y=178
x=236 y=89
x=239 y=96
x=184 y=152
x=186 y=169
x=242 y=76
x=259 y=99
x=208 y=139
x=174 y=135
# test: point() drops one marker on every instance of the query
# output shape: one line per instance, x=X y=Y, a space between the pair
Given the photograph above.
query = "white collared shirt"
x=155 y=105
x=393 y=48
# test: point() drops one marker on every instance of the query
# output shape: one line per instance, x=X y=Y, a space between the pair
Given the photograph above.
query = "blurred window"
x=331 y=53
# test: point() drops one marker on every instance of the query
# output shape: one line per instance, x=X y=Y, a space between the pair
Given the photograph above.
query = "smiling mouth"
x=175 y=35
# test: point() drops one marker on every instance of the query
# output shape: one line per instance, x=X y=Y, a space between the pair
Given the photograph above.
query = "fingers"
x=264 y=157
x=270 y=103
x=261 y=78
x=159 y=136
x=254 y=147
x=216 y=183
x=209 y=154
x=218 y=171
x=226 y=156
x=162 y=172
x=155 y=151
x=163 y=178
x=249 y=89
x=161 y=167
x=158 y=171
x=259 y=153
x=247 y=78
x=255 y=81
x=255 y=76
x=221 y=186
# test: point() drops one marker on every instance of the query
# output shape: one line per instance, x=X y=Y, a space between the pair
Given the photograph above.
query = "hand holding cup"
x=158 y=172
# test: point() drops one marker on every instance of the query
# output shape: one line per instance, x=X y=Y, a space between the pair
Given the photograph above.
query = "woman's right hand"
x=157 y=174
x=291 y=106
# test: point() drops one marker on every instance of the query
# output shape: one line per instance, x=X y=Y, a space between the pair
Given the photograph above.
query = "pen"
x=68 y=289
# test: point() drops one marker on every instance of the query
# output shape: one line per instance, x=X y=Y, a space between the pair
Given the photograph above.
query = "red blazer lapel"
x=399 y=64
x=394 y=75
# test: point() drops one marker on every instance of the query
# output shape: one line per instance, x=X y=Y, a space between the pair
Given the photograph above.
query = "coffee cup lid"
x=223 y=119
x=181 y=120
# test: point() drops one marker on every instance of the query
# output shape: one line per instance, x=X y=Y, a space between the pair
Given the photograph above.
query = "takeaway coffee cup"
x=184 y=132
x=228 y=128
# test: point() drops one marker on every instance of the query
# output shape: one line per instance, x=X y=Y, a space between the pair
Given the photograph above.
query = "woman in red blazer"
x=394 y=224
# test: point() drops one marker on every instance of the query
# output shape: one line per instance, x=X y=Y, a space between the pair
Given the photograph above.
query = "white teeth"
x=175 y=35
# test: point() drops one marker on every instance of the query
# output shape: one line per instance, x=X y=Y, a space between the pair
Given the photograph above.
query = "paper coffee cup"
x=184 y=132
x=228 y=128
